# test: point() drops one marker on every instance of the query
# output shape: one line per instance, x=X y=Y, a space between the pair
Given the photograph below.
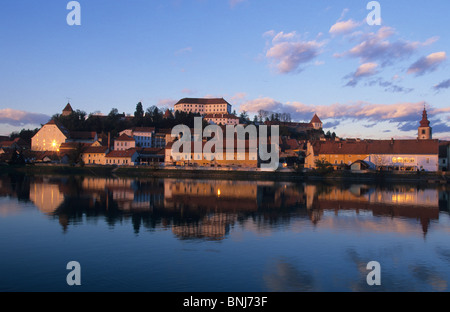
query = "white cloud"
x=343 y=27
x=288 y=52
x=380 y=47
x=19 y=118
x=366 y=69
x=427 y=64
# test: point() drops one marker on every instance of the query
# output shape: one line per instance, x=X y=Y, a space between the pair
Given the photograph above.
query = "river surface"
x=188 y=235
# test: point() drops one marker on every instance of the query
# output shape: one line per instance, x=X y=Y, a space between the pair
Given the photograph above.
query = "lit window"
x=394 y=160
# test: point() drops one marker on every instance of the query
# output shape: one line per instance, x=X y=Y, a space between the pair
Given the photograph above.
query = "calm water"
x=169 y=235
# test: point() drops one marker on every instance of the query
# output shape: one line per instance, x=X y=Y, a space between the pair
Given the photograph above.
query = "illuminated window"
x=394 y=160
x=400 y=160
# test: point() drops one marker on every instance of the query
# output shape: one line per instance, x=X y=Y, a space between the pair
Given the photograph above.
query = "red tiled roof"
x=68 y=108
x=202 y=101
x=152 y=150
x=316 y=119
x=121 y=154
x=96 y=149
x=216 y=116
x=387 y=147
x=82 y=135
x=124 y=137
x=144 y=129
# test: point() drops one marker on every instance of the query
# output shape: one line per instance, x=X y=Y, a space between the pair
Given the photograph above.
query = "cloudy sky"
x=300 y=57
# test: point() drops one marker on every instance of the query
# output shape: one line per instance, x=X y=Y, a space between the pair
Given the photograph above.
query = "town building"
x=222 y=119
x=49 y=137
x=242 y=157
x=203 y=106
x=95 y=155
x=127 y=157
x=299 y=127
x=403 y=155
x=143 y=136
x=124 y=142
x=444 y=156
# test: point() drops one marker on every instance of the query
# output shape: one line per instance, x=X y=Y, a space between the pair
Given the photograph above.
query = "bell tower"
x=425 y=131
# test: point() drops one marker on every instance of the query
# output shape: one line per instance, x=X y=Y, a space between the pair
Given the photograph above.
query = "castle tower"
x=425 y=131
x=67 y=110
x=316 y=122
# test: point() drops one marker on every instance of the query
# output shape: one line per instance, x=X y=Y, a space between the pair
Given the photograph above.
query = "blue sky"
x=290 y=56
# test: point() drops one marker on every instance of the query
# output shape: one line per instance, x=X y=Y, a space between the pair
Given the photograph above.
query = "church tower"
x=425 y=131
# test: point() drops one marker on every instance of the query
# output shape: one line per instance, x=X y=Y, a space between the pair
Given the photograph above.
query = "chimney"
x=392 y=140
x=109 y=140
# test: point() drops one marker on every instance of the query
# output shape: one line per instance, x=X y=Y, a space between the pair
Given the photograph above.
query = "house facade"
x=444 y=156
x=203 y=106
x=124 y=142
x=402 y=155
x=95 y=155
x=49 y=137
x=242 y=157
x=127 y=157
x=222 y=119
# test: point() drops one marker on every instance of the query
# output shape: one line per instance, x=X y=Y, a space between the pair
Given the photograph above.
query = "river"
x=191 y=235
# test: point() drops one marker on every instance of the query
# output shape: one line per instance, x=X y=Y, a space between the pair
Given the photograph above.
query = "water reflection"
x=208 y=209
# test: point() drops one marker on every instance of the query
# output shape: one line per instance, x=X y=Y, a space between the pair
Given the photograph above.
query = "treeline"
x=116 y=122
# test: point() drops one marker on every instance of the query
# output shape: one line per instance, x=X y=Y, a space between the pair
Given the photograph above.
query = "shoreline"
x=282 y=176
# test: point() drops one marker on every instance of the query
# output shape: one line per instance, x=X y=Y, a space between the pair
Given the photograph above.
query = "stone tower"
x=425 y=131
x=67 y=110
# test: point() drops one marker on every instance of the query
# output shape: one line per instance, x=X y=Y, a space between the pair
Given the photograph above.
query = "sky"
x=292 y=56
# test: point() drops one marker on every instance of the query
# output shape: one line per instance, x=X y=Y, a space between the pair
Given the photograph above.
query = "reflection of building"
x=224 y=195
x=400 y=201
x=46 y=196
x=214 y=227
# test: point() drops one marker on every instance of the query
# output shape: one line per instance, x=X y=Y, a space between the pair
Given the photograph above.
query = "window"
x=394 y=160
x=423 y=131
x=428 y=160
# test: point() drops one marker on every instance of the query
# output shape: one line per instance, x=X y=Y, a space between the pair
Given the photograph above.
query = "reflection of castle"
x=213 y=227
x=224 y=195
x=208 y=209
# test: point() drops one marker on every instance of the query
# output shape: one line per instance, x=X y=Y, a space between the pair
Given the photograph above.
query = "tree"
x=323 y=166
x=139 y=113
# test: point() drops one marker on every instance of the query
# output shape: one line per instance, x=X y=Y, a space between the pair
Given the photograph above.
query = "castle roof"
x=316 y=119
x=68 y=108
x=203 y=101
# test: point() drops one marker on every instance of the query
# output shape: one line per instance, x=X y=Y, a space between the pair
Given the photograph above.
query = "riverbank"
x=285 y=176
